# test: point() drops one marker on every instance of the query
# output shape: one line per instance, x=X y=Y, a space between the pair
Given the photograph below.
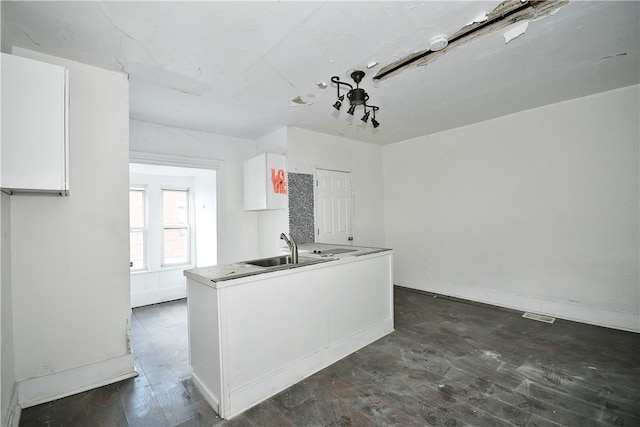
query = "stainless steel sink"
x=271 y=262
x=283 y=261
x=268 y=265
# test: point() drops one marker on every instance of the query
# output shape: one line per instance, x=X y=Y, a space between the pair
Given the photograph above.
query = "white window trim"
x=144 y=228
x=153 y=238
x=191 y=162
x=189 y=227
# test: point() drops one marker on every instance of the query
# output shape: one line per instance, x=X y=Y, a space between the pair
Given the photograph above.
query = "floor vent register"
x=539 y=317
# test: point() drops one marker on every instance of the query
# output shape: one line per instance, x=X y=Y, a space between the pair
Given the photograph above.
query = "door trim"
x=188 y=162
x=316 y=204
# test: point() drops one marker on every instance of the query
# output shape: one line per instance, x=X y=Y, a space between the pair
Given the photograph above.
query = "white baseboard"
x=561 y=310
x=46 y=388
x=14 y=419
x=208 y=395
x=12 y=416
x=155 y=297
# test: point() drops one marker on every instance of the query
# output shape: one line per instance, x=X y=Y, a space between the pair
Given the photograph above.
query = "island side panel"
x=279 y=330
x=274 y=322
x=204 y=342
x=362 y=297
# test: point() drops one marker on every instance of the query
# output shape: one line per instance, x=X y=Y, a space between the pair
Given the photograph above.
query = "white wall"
x=307 y=150
x=272 y=222
x=9 y=410
x=206 y=215
x=536 y=210
x=70 y=257
x=237 y=228
x=7 y=367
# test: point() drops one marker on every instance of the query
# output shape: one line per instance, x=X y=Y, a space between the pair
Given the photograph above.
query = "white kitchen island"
x=254 y=331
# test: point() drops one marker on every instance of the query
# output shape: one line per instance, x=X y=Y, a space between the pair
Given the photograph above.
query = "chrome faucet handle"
x=293 y=247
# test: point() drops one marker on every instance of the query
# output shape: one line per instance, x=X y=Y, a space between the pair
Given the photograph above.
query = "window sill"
x=176 y=267
x=164 y=268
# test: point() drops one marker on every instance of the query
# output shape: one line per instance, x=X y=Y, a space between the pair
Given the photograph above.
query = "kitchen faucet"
x=293 y=247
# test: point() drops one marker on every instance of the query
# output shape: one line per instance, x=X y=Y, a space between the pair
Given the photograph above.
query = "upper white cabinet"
x=265 y=182
x=35 y=145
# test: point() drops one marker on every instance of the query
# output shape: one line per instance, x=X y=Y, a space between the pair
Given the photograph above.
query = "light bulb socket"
x=357 y=96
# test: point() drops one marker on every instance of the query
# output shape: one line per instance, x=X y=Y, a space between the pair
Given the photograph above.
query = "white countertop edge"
x=199 y=274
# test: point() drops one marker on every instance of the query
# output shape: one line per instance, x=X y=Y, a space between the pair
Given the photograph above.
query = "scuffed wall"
x=536 y=210
x=7 y=373
x=8 y=401
x=70 y=255
x=237 y=228
x=307 y=150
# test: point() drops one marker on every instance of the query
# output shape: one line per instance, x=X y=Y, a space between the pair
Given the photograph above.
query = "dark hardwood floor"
x=449 y=363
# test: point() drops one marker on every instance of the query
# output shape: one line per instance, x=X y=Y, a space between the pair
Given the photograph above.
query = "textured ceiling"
x=234 y=68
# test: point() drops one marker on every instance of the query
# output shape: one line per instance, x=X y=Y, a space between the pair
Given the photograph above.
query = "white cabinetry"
x=252 y=337
x=35 y=147
x=265 y=185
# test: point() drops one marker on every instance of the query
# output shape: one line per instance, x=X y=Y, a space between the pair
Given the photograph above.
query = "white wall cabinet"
x=35 y=144
x=265 y=182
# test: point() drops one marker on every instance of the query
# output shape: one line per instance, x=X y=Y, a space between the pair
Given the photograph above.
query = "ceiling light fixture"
x=356 y=96
x=438 y=43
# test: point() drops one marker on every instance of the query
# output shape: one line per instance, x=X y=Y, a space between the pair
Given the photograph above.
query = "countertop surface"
x=309 y=254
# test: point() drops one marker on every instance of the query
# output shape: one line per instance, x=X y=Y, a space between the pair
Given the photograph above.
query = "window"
x=137 y=228
x=160 y=226
x=175 y=218
x=174 y=210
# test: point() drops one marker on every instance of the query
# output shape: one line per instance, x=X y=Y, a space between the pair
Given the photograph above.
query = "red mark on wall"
x=279 y=181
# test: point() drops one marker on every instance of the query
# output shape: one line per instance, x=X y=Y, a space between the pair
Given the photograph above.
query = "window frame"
x=188 y=228
x=144 y=229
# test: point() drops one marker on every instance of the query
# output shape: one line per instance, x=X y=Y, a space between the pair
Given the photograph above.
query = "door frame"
x=187 y=162
x=315 y=202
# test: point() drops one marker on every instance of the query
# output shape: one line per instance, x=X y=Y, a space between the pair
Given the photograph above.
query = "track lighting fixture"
x=356 y=96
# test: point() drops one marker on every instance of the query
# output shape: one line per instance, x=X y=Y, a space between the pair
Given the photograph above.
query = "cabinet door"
x=34 y=126
x=276 y=181
x=265 y=185
x=255 y=183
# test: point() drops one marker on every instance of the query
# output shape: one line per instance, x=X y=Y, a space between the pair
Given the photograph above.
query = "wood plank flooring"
x=449 y=363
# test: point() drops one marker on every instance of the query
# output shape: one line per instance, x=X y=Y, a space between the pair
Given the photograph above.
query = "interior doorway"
x=173 y=227
x=334 y=223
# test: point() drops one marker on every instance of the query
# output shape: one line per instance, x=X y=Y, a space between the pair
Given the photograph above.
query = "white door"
x=333 y=207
